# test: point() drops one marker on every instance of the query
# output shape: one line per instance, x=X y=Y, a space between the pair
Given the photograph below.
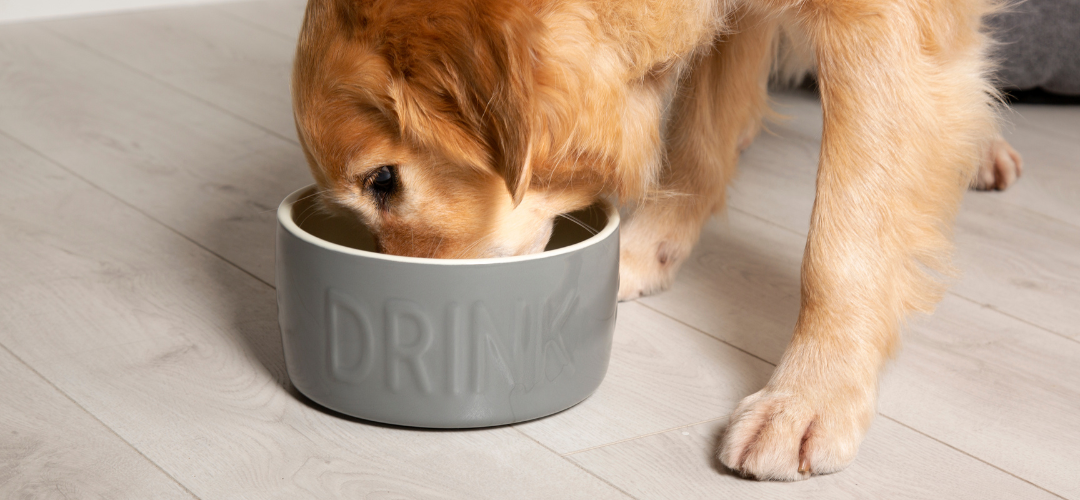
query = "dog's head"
x=420 y=118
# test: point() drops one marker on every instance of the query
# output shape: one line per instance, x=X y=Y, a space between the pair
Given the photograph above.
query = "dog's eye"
x=383 y=179
x=382 y=185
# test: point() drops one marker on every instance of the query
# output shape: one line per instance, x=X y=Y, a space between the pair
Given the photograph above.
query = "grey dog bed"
x=1039 y=46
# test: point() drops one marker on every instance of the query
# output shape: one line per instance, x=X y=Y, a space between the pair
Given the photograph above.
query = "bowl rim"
x=285 y=221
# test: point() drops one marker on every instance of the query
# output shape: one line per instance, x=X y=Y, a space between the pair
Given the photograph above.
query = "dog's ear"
x=337 y=17
x=510 y=34
x=467 y=72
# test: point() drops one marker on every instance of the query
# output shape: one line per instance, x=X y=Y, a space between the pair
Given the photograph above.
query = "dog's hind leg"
x=1000 y=168
x=907 y=112
x=719 y=104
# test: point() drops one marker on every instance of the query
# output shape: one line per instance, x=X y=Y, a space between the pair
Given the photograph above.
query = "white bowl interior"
x=347 y=231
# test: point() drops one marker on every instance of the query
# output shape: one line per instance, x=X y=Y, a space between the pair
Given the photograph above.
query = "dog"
x=462 y=128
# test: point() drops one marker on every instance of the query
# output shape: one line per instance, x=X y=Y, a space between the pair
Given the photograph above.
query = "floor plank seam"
x=96 y=419
x=575 y=464
x=1035 y=125
x=131 y=206
x=1022 y=320
x=247 y=22
x=767 y=221
x=613 y=443
x=703 y=332
x=958 y=450
x=77 y=43
x=1039 y=213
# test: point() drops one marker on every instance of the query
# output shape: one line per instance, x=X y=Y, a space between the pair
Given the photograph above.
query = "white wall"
x=24 y=10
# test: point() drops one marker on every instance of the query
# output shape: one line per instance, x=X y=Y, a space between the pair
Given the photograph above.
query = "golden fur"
x=494 y=116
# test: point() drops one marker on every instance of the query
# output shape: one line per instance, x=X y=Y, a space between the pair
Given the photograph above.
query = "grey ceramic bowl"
x=440 y=342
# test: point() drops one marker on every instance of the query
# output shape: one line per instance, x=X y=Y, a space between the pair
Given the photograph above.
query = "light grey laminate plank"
x=280 y=16
x=1021 y=263
x=1048 y=137
x=51 y=449
x=893 y=463
x=202 y=51
x=211 y=176
x=992 y=386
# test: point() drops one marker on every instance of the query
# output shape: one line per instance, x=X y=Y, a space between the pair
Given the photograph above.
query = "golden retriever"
x=461 y=128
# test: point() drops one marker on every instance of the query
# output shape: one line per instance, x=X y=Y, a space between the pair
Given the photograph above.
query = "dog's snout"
x=499 y=252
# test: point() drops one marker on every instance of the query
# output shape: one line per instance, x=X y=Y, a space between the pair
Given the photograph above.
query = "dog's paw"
x=783 y=436
x=654 y=241
x=1001 y=167
x=645 y=269
x=746 y=138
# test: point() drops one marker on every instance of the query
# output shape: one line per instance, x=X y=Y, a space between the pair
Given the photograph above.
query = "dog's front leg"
x=715 y=115
x=906 y=114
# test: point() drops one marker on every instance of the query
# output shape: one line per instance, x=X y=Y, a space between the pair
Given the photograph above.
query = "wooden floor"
x=141 y=158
